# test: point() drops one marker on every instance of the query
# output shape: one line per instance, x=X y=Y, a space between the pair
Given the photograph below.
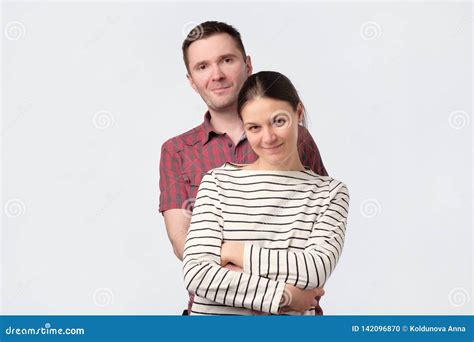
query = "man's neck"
x=227 y=122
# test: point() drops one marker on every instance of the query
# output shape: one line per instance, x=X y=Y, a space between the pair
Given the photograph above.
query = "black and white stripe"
x=293 y=224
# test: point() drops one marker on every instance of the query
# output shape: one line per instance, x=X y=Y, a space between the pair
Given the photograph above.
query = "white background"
x=90 y=91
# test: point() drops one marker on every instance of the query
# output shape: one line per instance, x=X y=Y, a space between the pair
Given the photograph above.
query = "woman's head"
x=271 y=111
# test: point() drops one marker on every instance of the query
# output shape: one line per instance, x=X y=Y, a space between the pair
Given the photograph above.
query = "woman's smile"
x=273 y=149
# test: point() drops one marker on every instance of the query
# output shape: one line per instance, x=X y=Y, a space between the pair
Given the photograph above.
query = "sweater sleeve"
x=203 y=274
x=311 y=267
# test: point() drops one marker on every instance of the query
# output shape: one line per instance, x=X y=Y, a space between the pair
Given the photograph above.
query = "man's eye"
x=202 y=67
x=228 y=60
x=252 y=128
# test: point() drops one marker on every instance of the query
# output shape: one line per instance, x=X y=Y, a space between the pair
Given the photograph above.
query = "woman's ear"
x=300 y=112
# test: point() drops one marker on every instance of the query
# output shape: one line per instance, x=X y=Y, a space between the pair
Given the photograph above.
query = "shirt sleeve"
x=309 y=152
x=313 y=266
x=173 y=189
x=203 y=274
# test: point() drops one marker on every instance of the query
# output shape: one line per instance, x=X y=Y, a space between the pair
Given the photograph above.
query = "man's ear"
x=248 y=63
x=191 y=82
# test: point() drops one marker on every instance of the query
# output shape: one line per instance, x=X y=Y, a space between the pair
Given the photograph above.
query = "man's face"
x=217 y=70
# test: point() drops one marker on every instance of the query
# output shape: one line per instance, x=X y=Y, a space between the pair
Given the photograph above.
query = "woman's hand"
x=300 y=300
x=232 y=252
x=232 y=267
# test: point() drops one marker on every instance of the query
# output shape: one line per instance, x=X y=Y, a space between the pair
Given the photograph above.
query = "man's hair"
x=207 y=29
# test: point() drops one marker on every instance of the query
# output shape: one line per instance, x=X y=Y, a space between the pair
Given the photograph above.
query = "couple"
x=268 y=224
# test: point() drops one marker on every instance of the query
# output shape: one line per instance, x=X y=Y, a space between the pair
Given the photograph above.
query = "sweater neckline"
x=239 y=167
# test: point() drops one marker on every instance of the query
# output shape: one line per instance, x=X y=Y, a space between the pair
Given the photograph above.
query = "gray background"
x=90 y=91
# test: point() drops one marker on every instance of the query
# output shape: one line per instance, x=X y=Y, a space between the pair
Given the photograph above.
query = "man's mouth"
x=220 y=89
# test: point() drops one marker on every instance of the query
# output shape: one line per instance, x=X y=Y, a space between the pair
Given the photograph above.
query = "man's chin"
x=222 y=106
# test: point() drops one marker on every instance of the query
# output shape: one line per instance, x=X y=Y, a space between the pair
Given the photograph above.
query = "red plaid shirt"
x=187 y=157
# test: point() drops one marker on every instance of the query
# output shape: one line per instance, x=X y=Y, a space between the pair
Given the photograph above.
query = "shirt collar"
x=209 y=130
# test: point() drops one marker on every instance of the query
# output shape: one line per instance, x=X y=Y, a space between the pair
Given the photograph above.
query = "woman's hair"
x=269 y=84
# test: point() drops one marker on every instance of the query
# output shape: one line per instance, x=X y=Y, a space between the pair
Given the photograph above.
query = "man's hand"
x=177 y=225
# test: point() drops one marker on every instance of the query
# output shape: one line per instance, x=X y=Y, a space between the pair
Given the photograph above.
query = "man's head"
x=216 y=63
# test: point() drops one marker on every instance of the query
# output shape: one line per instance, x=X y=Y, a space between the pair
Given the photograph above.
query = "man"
x=217 y=66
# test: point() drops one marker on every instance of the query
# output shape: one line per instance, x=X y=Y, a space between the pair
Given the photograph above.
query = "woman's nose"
x=268 y=136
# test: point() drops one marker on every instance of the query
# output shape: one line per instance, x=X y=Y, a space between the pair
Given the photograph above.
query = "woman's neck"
x=288 y=165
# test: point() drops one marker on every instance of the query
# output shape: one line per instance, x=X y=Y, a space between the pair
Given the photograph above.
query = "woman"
x=284 y=225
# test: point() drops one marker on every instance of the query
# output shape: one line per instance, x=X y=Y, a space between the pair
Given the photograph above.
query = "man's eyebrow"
x=227 y=55
x=199 y=63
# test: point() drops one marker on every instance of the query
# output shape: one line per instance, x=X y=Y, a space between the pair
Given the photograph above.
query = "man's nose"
x=217 y=73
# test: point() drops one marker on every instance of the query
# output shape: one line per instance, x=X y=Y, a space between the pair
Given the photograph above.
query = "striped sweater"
x=292 y=223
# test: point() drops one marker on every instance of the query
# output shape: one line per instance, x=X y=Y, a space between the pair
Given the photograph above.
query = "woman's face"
x=271 y=127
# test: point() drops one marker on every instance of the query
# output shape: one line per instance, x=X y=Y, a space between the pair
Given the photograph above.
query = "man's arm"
x=173 y=193
x=177 y=224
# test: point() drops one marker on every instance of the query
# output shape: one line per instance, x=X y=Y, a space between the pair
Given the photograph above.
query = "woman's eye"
x=252 y=128
x=279 y=121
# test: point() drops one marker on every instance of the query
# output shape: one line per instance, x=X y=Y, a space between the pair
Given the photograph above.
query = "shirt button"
x=229 y=144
